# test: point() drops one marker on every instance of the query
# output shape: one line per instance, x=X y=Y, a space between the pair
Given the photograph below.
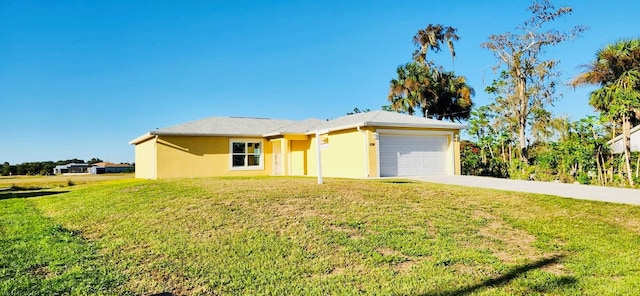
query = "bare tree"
x=530 y=79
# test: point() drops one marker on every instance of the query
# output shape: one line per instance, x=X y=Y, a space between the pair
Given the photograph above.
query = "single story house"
x=71 y=168
x=362 y=145
x=110 y=168
x=617 y=145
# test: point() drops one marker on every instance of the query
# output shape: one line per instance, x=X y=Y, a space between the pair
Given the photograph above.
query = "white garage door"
x=402 y=155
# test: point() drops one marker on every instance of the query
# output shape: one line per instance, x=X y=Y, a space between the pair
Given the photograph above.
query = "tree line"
x=40 y=167
x=516 y=135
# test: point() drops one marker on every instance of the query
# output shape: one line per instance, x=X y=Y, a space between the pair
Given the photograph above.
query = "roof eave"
x=141 y=139
x=273 y=134
x=206 y=134
x=333 y=129
x=457 y=126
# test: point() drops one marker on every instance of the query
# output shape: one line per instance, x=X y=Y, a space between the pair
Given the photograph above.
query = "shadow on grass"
x=511 y=275
x=163 y=294
x=27 y=194
x=399 y=181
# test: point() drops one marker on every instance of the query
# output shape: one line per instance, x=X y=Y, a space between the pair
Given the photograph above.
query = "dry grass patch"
x=512 y=245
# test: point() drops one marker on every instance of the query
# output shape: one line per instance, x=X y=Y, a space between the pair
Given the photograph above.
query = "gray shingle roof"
x=385 y=118
x=263 y=127
x=298 y=127
x=224 y=126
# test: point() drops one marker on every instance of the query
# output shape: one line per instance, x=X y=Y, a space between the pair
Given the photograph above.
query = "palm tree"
x=616 y=70
x=422 y=84
x=438 y=94
x=452 y=97
x=406 y=92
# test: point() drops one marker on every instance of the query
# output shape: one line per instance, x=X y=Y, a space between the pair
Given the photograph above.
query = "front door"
x=277 y=158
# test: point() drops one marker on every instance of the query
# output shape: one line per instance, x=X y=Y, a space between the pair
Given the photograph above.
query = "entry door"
x=277 y=158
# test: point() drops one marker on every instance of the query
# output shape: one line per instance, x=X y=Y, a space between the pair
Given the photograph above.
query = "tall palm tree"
x=422 y=84
x=616 y=70
x=406 y=91
x=452 y=97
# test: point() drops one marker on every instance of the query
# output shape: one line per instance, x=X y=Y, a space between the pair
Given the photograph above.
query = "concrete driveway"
x=588 y=192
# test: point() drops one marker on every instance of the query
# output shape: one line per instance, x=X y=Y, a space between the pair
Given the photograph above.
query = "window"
x=246 y=154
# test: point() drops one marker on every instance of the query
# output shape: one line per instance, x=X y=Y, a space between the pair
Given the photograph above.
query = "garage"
x=414 y=155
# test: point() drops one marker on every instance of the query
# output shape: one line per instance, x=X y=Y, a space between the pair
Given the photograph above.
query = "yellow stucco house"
x=362 y=145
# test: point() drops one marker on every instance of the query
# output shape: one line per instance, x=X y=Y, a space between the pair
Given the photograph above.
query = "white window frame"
x=246 y=167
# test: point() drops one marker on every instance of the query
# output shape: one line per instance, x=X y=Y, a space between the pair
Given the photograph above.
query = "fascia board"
x=141 y=139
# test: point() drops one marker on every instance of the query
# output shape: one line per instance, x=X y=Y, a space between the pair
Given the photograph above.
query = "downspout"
x=366 y=151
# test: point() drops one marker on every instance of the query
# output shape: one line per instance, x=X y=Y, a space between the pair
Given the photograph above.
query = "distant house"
x=109 y=168
x=617 y=145
x=372 y=144
x=71 y=168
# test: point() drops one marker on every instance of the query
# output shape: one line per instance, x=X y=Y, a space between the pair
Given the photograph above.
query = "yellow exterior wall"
x=373 y=152
x=298 y=157
x=344 y=157
x=145 y=159
x=185 y=157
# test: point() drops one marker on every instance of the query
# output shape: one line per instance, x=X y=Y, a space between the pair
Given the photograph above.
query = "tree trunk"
x=522 y=113
x=491 y=151
x=638 y=166
x=523 y=140
x=626 y=137
x=601 y=176
x=600 y=169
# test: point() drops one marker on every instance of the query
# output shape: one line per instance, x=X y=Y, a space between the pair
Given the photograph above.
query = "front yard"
x=290 y=236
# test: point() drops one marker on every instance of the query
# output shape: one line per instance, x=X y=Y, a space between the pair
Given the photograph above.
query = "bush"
x=583 y=178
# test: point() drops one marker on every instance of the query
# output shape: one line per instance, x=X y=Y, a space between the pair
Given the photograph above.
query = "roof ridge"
x=218 y=117
x=192 y=121
x=376 y=114
x=251 y=117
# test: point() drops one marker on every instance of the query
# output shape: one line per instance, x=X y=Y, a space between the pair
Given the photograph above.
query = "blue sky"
x=79 y=79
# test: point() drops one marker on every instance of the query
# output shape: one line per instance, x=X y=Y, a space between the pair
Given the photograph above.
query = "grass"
x=292 y=236
x=39 y=182
x=41 y=257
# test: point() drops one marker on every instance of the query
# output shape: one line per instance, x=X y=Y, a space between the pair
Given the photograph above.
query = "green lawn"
x=290 y=236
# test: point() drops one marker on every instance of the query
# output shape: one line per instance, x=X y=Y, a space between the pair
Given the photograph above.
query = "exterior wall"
x=298 y=157
x=372 y=157
x=343 y=157
x=185 y=157
x=618 y=145
x=110 y=170
x=145 y=159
